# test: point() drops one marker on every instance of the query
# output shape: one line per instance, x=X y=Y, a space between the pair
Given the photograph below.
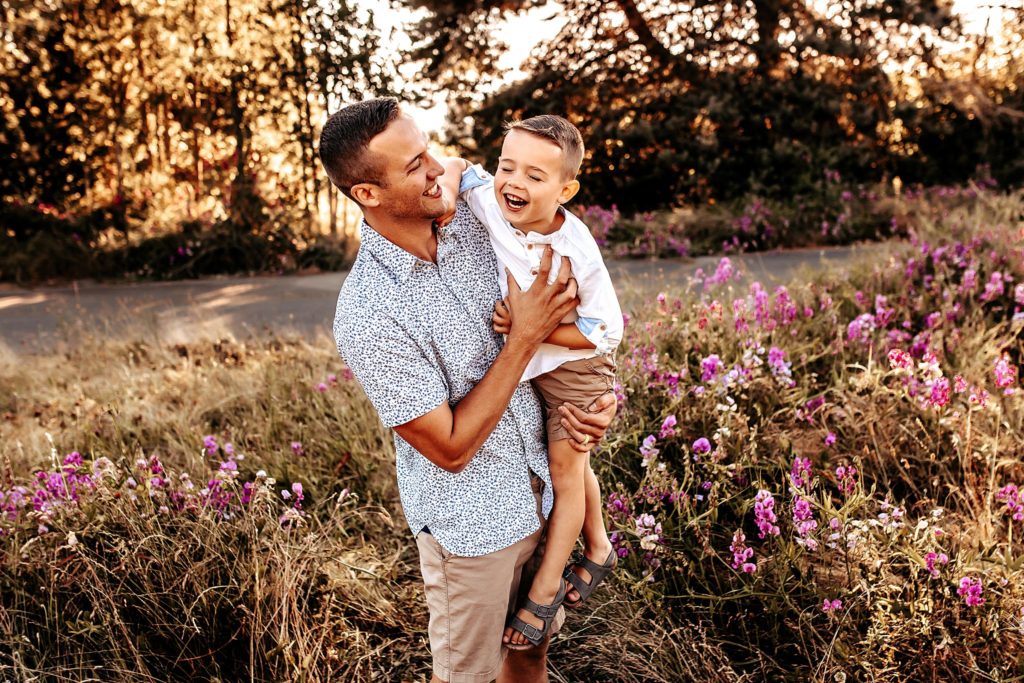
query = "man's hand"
x=502 y=318
x=587 y=427
x=536 y=312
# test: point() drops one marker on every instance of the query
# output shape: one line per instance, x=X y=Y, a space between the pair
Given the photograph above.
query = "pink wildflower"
x=831 y=605
x=970 y=590
x=847 y=478
x=668 y=427
x=931 y=558
x=1006 y=374
x=741 y=554
x=764 y=514
x=800 y=472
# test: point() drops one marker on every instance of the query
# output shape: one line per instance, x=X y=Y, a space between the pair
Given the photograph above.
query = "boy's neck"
x=545 y=227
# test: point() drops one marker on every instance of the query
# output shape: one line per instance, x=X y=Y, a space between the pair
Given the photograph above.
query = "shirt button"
x=519 y=234
x=529 y=246
x=534 y=271
x=602 y=326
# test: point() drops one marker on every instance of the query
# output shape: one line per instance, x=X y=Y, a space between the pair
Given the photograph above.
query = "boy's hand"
x=536 y=312
x=587 y=427
x=502 y=317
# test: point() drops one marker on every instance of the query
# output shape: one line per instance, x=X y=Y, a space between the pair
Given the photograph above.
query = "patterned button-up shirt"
x=418 y=334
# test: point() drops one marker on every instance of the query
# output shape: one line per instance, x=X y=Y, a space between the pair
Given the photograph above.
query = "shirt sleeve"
x=400 y=381
x=477 y=189
x=600 y=317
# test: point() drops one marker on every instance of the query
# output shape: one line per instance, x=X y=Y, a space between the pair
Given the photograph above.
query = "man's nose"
x=435 y=169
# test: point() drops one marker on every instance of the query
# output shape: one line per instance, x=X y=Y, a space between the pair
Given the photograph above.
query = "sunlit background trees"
x=195 y=122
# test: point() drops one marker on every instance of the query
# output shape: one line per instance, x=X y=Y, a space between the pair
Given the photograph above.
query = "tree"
x=706 y=99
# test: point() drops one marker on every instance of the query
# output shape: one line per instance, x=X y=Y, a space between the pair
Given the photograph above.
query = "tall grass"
x=227 y=510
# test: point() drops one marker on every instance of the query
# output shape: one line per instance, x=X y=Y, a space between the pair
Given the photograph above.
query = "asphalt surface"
x=45 y=319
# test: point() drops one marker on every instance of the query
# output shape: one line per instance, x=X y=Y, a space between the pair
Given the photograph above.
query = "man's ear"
x=569 y=191
x=366 y=194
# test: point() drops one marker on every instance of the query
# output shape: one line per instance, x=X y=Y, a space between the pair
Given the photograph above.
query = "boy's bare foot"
x=596 y=554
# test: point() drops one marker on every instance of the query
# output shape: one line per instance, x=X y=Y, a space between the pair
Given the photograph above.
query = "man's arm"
x=449 y=437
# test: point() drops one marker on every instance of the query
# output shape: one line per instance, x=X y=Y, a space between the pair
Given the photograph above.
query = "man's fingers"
x=579 y=423
x=564 y=270
x=513 y=286
x=545 y=265
x=603 y=403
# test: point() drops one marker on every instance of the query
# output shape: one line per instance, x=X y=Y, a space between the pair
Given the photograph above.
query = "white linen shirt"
x=598 y=316
x=418 y=334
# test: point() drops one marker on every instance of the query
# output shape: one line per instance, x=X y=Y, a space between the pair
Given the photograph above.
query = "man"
x=414 y=325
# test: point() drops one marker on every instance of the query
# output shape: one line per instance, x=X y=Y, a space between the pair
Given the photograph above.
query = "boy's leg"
x=564 y=523
x=595 y=535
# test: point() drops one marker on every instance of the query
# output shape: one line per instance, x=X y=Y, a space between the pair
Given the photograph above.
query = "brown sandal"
x=598 y=573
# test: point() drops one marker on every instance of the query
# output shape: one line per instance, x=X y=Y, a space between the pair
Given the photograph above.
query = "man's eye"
x=504 y=169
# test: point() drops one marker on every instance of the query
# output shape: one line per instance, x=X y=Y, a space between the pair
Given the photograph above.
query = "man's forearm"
x=479 y=412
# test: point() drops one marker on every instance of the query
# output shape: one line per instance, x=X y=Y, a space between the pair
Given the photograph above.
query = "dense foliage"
x=714 y=100
x=816 y=482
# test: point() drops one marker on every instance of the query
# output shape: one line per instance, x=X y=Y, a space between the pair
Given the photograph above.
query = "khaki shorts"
x=471 y=598
x=579 y=382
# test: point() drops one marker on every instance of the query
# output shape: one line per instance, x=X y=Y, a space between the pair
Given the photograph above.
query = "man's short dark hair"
x=559 y=131
x=344 y=141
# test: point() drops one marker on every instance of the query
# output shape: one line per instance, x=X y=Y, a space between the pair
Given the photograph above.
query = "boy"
x=521 y=206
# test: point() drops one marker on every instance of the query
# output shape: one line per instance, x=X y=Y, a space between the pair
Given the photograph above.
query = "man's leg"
x=469 y=599
x=526 y=666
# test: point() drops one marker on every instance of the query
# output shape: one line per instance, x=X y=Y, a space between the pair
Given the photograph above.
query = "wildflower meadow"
x=817 y=481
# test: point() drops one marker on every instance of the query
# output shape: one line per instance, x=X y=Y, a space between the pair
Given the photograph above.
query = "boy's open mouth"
x=514 y=202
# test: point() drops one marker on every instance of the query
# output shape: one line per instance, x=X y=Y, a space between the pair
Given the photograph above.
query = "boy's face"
x=529 y=183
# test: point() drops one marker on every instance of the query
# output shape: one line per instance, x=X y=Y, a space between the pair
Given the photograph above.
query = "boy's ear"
x=366 y=194
x=569 y=191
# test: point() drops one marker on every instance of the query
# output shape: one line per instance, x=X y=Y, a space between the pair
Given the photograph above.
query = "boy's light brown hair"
x=559 y=131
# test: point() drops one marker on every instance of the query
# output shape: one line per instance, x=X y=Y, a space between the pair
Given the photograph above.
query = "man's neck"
x=414 y=236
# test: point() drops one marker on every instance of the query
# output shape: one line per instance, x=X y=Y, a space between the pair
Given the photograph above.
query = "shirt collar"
x=397 y=261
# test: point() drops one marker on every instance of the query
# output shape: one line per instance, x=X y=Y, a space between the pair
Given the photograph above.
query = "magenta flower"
x=299 y=495
x=321 y=387
x=830 y=439
x=970 y=590
x=701 y=446
x=297 y=448
x=210 y=445
x=668 y=427
x=803 y=520
x=800 y=472
x=1011 y=495
x=930 y=561
x=741 y=554
x=648 y=449
x=764 y=514
x=900 y=359
x=332 y=378
x=1006 y=374
x=847 y=476
x=831 y=605
x=940 y=393
x=709 y=368
x=346 y=374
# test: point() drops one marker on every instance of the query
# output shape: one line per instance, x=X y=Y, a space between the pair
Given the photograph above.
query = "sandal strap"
x=543 y=612
x=598 y=573
x=529 y=631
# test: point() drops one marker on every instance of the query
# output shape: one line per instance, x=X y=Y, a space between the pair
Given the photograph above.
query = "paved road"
x=47 y=318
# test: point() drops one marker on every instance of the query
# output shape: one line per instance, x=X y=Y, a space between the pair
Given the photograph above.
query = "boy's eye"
x=533 y=177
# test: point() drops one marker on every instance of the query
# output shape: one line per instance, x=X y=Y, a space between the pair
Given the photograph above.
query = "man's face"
x=529 y=181
x=410 y=173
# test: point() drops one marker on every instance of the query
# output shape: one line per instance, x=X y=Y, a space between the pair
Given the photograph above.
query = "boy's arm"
x=566 y=334
x=449 y=182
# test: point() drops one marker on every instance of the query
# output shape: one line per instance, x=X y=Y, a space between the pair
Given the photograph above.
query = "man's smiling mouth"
x=434 y=192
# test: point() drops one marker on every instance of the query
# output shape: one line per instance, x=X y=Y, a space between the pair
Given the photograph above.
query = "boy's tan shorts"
x=579 y=382
x=471 y=598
